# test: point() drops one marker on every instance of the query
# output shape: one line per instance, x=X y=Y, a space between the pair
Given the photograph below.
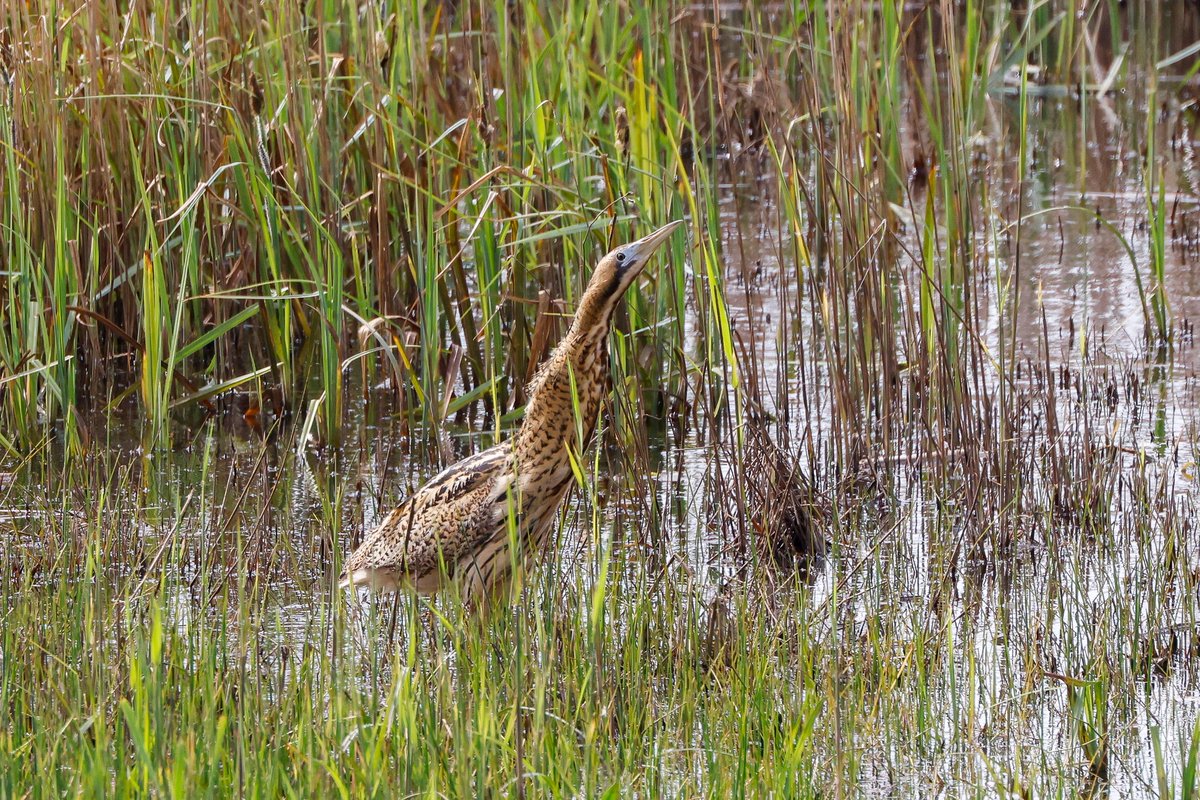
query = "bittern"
x=456 y=527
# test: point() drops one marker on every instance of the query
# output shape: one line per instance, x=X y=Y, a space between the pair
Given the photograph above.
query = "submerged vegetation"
x=265 y=266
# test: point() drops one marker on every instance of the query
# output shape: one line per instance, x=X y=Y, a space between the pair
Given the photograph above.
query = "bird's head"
x=618 y=270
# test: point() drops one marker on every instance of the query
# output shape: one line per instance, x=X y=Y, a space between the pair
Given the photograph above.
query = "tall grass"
x=266 y=266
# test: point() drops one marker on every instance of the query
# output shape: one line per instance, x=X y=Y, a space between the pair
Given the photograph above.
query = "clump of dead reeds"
x=769 y=512
x=780 y=508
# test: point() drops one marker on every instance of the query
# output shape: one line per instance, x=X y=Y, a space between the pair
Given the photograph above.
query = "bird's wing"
x=463 y=477
x=432 y=527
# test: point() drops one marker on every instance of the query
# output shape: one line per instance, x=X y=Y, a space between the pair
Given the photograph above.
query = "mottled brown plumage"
x=456 y=527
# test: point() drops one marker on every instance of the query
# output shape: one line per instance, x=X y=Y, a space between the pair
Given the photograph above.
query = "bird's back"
x=432 y=531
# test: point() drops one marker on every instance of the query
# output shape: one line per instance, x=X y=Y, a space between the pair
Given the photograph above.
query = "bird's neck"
x=570 y=387
x=594 y=316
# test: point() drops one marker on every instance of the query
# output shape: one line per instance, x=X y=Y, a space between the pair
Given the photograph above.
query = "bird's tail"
x=359 y=577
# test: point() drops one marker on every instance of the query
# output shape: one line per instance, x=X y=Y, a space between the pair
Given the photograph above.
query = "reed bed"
x=267 y=266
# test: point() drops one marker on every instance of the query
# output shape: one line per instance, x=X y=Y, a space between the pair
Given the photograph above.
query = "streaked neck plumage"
x=582 y=359
x=565 y=397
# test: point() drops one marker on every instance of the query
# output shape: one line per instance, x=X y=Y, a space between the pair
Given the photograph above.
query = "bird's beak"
x=643 y=248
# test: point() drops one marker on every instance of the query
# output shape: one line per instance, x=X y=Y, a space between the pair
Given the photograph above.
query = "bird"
x=456 y=528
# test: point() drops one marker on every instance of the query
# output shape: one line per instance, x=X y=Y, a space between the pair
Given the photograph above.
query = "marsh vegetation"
x=267 y=266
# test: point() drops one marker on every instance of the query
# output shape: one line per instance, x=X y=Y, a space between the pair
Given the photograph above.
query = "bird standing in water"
x=455 y=529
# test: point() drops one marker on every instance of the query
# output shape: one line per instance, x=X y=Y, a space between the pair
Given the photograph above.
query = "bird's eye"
x=620 y=258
